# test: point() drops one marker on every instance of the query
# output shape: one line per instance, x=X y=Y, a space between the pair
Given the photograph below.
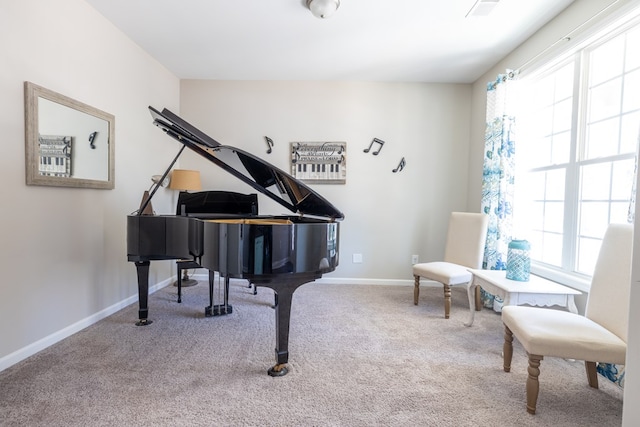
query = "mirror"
x=67 y=143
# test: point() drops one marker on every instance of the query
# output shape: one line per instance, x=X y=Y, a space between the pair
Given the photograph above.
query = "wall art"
x=319 y=162
x=54 y=155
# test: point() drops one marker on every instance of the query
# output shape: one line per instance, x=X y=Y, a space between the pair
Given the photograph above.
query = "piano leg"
x=284 y=289
x=282 y=305
x=252 y=286
x=142 y=268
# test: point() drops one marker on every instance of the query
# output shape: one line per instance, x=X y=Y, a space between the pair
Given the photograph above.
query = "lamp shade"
x=323 y=8
x=185 y=180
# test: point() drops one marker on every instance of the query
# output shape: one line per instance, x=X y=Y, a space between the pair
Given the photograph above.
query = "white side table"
x=537 y=291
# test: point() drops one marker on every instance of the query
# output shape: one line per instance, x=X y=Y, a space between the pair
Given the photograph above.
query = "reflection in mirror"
x=68 y=143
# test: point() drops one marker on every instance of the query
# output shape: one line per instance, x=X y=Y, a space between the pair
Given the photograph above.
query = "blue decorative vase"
x=518 y=260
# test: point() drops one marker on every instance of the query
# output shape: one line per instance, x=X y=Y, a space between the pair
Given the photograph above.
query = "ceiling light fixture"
x=323 y=8
x=482 y=8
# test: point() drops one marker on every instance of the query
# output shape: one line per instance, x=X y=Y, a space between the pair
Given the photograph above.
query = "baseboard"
x=31 y=349
x=364 y=281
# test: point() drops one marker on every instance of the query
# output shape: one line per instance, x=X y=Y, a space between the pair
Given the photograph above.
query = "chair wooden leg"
x=416 y=289
x=478 y=299
x=533 y=386
x=507 y=349
x=447 y=301
x=592 y=373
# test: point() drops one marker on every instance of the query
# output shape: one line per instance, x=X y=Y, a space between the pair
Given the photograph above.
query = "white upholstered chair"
x=466 y=236
x=598 y=336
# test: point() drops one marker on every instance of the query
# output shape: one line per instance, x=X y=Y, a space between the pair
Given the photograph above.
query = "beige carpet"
x=359 y=356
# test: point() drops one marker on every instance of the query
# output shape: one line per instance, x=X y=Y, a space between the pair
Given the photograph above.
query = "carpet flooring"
x=360 y=355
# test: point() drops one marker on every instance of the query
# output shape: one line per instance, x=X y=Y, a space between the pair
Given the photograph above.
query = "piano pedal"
x=218 y=310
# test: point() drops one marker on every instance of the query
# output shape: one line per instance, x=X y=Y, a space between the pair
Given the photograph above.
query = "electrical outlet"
x=414 y=259
x=357 y=258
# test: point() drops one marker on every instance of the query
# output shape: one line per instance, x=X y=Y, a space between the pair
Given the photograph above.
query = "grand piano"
x=281 y=252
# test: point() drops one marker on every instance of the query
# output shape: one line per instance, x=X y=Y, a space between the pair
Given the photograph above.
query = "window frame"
x=567 y=273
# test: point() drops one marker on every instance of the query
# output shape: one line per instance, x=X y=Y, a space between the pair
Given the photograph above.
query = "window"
x=578 y=131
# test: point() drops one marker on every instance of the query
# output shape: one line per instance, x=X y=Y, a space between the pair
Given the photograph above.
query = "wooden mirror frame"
x=33 y=93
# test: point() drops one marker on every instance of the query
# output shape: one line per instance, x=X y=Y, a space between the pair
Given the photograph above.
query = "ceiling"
x=365 y=40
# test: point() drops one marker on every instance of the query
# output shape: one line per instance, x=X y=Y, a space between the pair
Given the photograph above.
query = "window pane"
x=541 y=93
x=536 y=185
x=596 y=182
x=538 y=154
x=552 y=249
x=594 y=219
x=553 y=216
x=602 y=139
x=622 y=179
x=561 y=148
x=537 y=216
x=630 y=133
x=544 y=121
x=536 y=241
x=619 y=212
x=607 y=60
x=555 y=185
x=604 y=100
x=562 y=116
x=631 y=96
x=564 y=82
x=633 y=53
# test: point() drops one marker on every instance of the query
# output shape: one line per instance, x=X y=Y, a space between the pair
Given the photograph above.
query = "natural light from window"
x=578 y=128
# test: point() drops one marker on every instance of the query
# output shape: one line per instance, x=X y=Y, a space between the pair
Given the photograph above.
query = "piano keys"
x=281 y=252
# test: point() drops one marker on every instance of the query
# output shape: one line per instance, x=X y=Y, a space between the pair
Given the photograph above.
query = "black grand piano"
x=281 y=252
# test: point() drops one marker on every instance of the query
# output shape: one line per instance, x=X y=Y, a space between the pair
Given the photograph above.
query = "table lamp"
x=185 y=180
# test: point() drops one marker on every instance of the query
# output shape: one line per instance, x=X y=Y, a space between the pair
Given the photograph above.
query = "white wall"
x=63 y=253
x=389 y=216
x=537 y=48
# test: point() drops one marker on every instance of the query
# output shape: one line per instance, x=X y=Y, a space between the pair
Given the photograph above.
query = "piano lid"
x=259 y=174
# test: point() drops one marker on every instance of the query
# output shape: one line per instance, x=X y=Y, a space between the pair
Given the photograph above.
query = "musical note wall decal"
x=92 y=138
x=400 y=166
x=375 y=141
x=269 y=144
x=295 y=157
x=294 y=152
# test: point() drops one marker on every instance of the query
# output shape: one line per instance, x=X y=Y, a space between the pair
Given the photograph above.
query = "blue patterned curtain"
x=498 y=176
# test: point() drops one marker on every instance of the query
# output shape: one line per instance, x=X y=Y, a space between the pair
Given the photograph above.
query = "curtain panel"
x=498 y=175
